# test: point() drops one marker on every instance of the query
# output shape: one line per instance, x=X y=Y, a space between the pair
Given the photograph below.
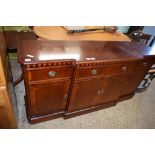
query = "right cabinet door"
x=132 y=81
x=92 y=92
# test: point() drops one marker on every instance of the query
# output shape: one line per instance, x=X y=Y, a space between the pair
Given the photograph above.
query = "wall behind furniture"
x=16 y=28
x=123 y=29
x=149 y=30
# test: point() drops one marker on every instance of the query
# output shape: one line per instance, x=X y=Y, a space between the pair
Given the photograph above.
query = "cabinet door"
x=110 y=88
x=132 y=81
x=91 y=92
x=48 y=97
x=83 y=94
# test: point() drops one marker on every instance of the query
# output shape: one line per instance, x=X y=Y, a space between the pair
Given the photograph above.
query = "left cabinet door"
x=48 y=98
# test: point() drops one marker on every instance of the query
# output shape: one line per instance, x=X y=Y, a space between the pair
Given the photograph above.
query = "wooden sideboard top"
x=37 y=51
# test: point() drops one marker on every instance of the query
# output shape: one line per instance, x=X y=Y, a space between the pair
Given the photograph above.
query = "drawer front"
x=144 y=65
x=50 y=73
x=84 y=72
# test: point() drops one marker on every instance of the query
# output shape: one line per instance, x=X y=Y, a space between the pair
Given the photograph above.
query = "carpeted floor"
x=138 y=112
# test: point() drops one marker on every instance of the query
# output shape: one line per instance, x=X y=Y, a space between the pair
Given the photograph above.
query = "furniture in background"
x=8 y=109
x=85 y=29
x=13 y=37
x=139 y=36
x=147 y=80
x=152 y=42
x=69 y=78
x=134 y=28
x=60 y=33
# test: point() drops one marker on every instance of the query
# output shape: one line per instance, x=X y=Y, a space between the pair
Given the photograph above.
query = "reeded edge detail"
x=79 y=64
x=86 y=64
x=69 y=63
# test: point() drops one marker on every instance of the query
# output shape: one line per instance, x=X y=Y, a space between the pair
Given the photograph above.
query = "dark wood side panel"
x=7 y=118
x=133 y=81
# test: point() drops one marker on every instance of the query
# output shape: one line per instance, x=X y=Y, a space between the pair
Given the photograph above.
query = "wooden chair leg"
x=146 y=83
x=18 y=80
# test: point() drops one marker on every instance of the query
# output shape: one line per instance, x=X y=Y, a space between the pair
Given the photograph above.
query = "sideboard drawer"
x=50 y=73
x=83 y=72
x=143 y=65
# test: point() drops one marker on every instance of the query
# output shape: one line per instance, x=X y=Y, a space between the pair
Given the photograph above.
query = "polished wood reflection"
x=34 y=51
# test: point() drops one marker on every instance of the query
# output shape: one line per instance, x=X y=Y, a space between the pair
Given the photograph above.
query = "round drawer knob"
x=102 y=91
x=124 y=68
x=65 y=96
x=94 y=72
x=98 y=92
x=52 y=73
x=145 y=64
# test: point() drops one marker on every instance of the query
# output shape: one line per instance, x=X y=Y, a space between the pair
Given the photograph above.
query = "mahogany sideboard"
x=69 y=78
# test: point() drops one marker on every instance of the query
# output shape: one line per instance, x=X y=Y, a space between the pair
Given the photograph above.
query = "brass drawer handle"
x=94 y=72
x=124 y=68
x=145 y=64
x=52 y=73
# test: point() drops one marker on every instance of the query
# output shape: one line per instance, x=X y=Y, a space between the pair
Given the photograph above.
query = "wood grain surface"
x=69 y=78
x=7 y=118
x=60 y=33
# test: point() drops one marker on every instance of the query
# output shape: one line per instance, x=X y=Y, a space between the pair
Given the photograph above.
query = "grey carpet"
x=138 y=112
